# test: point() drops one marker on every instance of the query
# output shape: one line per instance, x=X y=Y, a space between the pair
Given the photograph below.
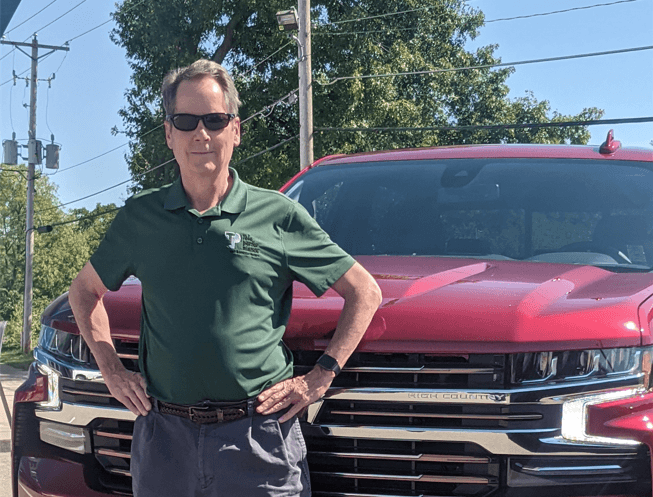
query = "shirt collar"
x=234 y=203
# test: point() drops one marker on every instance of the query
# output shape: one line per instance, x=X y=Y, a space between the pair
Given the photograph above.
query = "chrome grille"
x=128 y=353
x=395 y=414
x=390 y=435
x=112 y=448
x=398 y=468
x=368 y=370
x=86 y=392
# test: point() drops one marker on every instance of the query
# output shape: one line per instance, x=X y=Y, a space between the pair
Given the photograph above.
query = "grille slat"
x=109 y=434
x=465 y=480
x=481 y=415
x=113 y=453
x=443 y=458
x=422 y=370
x=354 y=494
x=118 y=471
x=495 y=417
x=133 y=357
x=70 y=391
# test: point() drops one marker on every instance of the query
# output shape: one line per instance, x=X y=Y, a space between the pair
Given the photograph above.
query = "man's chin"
x=203 y=167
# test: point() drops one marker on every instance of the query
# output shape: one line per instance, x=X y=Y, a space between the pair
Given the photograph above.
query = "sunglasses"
x=212 y=122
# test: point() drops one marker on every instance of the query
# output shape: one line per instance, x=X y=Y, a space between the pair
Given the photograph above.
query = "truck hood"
x=454 y=305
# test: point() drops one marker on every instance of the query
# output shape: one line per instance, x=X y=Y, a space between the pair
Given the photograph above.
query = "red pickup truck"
x=511 y=355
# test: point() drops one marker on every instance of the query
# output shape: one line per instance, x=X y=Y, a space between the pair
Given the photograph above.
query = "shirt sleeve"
x=113 y=259
x=311 y=256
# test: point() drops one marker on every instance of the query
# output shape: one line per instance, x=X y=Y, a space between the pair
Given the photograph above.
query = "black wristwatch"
x=329 y=363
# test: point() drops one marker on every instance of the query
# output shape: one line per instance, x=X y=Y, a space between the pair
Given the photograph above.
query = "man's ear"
x=236 y=123
x=168 y=129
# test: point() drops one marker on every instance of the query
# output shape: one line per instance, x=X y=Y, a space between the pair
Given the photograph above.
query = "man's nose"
x=201 y=133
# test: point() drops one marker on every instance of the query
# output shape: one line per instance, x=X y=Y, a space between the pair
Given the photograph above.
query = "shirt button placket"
x=199 y=240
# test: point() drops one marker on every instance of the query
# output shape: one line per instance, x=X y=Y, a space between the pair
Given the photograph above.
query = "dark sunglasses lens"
x=185 y=122
x=216 y=121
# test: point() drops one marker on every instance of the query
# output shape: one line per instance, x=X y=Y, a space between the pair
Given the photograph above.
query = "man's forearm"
x=93 y=323
x=356 y=315
x=362 y=298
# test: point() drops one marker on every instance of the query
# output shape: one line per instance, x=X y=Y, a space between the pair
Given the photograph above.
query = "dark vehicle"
x=511 y=355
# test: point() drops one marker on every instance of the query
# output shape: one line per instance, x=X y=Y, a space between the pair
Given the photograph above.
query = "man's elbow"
x=370 y=292
x=82 y=292
x=77 y=291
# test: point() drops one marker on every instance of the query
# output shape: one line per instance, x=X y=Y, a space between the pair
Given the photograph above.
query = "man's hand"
x=300 y=392
x=129 y=388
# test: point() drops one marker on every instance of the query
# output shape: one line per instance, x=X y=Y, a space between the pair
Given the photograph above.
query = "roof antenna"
x=610 y=146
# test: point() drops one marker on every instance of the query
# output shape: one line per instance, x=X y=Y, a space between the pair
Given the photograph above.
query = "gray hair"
x=198 y=69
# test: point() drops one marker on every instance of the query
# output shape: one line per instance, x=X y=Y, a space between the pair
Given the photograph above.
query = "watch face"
x=329 y=363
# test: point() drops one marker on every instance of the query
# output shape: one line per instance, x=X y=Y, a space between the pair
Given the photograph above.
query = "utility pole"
x=305 y=86
x=34 y=157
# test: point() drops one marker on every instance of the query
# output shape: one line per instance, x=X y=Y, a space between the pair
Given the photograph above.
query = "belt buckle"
x=193 y=412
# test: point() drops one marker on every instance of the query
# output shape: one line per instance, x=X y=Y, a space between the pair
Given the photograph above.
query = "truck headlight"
x=577 y=365
x=70 y=347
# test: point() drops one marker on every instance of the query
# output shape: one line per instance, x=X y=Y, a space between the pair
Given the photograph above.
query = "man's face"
x=202 y=151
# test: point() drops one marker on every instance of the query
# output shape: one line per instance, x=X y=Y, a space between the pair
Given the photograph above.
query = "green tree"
x=95 y=223
x=159 y=36
x=58 y=255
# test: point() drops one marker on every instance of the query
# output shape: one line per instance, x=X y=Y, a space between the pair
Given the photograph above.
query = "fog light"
x=53 y=401
x=65 y=436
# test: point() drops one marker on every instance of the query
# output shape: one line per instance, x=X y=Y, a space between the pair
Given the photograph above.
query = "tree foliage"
x=244 y=37
x=58 y=255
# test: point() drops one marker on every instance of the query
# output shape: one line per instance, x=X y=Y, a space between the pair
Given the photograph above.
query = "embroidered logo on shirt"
x=233 y=238
x=242 y=244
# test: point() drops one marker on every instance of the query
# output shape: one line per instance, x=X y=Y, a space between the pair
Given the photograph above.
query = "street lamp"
x=289 y=20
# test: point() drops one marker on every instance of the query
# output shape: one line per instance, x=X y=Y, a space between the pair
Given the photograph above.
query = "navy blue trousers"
x=250 y=457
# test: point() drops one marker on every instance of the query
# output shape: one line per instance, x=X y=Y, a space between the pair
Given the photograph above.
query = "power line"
x=475 y=127
x=267 y=150
x=560 y=11
x=87 y=32
x=31 y=17
x=62 y=15
x=91 y=216
x=261 y=62
x=109 y=151
x=343 y=33
x=271 y=106
x=487 y=66
x=389 y=14
x=113 y=186
x=102 y=24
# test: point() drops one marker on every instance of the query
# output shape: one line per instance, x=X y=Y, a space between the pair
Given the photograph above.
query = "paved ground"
x=10 y=378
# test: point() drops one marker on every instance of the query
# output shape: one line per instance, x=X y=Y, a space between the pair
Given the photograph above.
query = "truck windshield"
x=547 y=210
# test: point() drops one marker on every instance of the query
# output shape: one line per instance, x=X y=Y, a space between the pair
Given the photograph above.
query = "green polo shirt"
x=217 y=286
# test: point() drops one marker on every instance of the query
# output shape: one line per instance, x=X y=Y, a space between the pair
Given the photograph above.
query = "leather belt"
x=207 y=413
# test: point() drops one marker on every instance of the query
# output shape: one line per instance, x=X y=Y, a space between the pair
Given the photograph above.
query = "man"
x=216 y=401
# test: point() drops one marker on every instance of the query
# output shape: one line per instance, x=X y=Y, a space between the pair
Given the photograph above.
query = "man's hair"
x=198 y=69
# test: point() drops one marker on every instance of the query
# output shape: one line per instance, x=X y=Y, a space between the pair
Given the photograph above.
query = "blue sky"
x=82 y=104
